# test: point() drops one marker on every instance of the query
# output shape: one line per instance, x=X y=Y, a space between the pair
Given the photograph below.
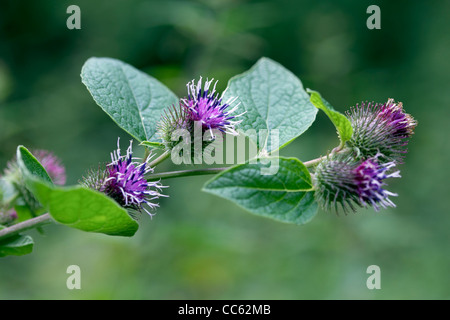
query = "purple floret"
x=52 y=165
x=204 y=105
x=125 y=182
x=368 y=178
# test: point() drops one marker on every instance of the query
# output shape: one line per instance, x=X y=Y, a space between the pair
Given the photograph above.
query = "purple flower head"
x=381 y=128
x=368 y=178
x=205 y=105
x=52 y=165
x=124 y=181
x=343 y=180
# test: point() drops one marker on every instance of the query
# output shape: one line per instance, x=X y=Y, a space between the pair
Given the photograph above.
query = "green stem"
x=146 y=154
x=25 y=225
x=160 y=159
x=314 y=162
x=184 y=173
x=206 y=171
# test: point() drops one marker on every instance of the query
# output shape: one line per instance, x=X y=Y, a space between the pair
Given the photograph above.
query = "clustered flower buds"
x=123 y=180
x=355 y=176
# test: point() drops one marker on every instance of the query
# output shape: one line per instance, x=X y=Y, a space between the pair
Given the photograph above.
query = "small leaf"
x=30 y=166
x=153 y=145
x=272 y=98
x=16 y=245
x=340 y=121
x=286 y=196
x=133 y=99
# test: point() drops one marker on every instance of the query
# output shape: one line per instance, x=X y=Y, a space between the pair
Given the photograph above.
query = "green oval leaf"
x=77 y=206
x=272 y=98
x=340 y=121
x=287 y=196
x=133 y=99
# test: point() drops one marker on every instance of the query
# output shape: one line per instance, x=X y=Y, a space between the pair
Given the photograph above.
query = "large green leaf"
x=286 y=196
x=77 y=206
x=342 y=124
x=16 y=245
x=133 y=99
x=272 y=98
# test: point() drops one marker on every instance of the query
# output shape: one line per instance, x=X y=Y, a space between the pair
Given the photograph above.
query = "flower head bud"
x=8 y=216
x=203 y=104
x=173 y=119
x=381 y=129
x=188 y=129
x=52 y=165
x=124 y=180
x=342 y=180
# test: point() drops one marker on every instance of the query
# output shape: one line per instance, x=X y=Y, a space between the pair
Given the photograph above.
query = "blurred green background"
x=199 y=246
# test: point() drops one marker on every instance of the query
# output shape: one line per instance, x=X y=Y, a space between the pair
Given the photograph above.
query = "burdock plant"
x=204 y=105
x=267 y=105
x=198 y=118
x=343 y=181
x=123 y=179
x=381 y=129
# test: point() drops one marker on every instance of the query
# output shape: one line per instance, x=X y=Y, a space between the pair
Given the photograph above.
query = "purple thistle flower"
x=381 y=128
x=368 y=178
x=124 y=181
x=341 y=179
x=205 y=105
x=52 y=165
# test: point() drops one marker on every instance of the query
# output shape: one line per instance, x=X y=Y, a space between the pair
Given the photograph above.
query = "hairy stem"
x=25 y=225
x=206 y=171
x=160 y=159
x=184 y=173
x=314 y=162
x=146 y=154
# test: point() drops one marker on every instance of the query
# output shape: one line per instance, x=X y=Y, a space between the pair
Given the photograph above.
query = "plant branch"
x=206 y=171
x=314 y=162
x=25 y=225
x=184 y=173
x=160 y=159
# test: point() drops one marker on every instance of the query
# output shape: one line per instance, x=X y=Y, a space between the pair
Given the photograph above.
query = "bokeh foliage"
x=199 y=246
